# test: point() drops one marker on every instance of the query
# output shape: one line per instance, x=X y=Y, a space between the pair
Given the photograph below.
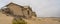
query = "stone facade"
x=18 y=10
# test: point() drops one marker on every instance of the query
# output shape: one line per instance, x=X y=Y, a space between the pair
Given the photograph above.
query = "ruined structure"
x=18 y=10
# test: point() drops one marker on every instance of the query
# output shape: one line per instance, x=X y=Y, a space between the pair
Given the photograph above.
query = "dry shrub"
x=19 y=21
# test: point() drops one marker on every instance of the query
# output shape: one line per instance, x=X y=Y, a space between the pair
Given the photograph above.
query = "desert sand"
x=5 y=19
x=8 y=20
x=43 y=21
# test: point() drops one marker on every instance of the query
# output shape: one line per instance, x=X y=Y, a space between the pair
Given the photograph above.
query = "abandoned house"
x=18 y=10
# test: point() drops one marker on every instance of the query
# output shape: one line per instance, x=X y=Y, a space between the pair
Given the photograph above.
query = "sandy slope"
x=8 y=20
x=42 y=21
x=5 y=19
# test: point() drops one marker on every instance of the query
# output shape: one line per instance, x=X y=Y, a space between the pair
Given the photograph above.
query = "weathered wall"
x=17 y=10
x=20 y=10
x=34 y=14
x=27 y=12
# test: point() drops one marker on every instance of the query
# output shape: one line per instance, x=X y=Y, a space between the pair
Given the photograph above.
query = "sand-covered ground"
x=8 y=20
x=5 y=19
x=43 y=21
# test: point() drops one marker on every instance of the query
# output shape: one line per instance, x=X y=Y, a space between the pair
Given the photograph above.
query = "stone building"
x=18 y=10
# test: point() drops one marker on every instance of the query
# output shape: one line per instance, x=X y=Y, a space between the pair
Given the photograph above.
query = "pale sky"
x=43 y=8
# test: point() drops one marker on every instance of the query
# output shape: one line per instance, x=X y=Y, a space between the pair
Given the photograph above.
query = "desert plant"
x=19 y=21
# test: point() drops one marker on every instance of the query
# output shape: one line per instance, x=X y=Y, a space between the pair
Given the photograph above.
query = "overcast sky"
x=43 y=8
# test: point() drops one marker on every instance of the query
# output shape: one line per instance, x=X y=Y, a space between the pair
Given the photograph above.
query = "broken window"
x=28 y=12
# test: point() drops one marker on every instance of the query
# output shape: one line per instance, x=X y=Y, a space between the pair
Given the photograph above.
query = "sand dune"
x=5 y=19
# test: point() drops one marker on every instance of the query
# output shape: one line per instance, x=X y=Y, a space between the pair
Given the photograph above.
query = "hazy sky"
x=43 y=8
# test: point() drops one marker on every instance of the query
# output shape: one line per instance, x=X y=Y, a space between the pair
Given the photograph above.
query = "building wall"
x=27 y=12
x=17 y=10
x=34 y=14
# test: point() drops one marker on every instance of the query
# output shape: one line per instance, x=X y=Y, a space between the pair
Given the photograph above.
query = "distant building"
x=18 y=10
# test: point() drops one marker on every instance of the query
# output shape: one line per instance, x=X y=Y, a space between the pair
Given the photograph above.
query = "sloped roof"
x=14 y=4
x=19 y=5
